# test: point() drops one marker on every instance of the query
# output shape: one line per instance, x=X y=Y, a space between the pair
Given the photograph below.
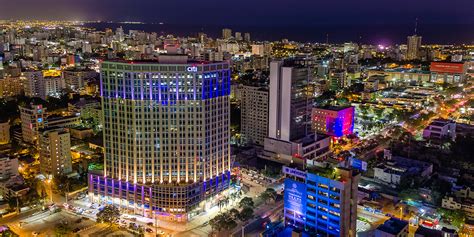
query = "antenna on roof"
x=416 y=24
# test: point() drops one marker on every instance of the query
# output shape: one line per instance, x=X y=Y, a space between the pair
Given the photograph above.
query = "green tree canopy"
x=110 y=214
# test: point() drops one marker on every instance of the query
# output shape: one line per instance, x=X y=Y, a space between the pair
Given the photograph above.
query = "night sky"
x=245 y=12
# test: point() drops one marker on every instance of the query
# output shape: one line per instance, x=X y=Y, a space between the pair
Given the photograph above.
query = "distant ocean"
x=358 y=33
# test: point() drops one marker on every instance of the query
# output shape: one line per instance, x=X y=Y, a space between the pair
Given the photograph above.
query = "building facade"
x=166 y=136
x=290 y=104
x=392 y=227
x=34 y=84
x=413 y=47
x=254 y=114
x=8 y=168
x=4 y=132
x=440 y=129
x=32 y=120
x=55 y=152
x=321 y=201
x=333 y=121
x=76 y=79
x=451 y=73
x=289 y=134
x=11 y=86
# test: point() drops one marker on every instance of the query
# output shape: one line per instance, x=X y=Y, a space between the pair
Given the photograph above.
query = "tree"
x=246 y=202
x=269 y=195
x=246 y=214
x=62 y=230
x=456 y=217
x=110 y=214
x=234 y=213
x=223 y=221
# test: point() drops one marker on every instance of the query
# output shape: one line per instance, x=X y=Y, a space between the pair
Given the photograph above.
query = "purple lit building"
x=334 y=121
x=166 y=136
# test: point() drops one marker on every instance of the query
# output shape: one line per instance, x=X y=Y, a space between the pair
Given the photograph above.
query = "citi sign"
x=192 y=69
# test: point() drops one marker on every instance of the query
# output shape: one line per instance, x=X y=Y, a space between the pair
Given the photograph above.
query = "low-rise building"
x=464 y=204
x=89 y=110
x=81 y=132
x=392 y=227
x=301 y=151
x=452 y=73
x=440 y=129
x=8 y=167
x=403 y=76
x=63 y=121
x=427 y=232
x=333 y=121
x=395 y=168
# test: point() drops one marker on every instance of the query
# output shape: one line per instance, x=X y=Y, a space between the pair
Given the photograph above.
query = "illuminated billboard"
x=295 y=196
x=358 y=164
x=447 y=67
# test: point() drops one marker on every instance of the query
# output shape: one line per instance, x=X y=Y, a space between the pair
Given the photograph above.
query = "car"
x=150 y=223
x=149 y=230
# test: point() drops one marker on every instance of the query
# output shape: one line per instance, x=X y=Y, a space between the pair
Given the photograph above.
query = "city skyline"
x=248 y=118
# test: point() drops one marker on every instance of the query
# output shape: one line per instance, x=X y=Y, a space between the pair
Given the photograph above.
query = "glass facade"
x=166 y=127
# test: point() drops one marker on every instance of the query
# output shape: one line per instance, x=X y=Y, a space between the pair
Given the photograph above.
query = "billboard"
x=447 y=67
x=358 y=164
x=294 y=172
x=295 y=196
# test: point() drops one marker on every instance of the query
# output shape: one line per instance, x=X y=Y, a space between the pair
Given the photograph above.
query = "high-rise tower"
x=166 y=135
x=413 y=47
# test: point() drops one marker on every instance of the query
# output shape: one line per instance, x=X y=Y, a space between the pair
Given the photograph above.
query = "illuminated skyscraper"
x=226 y=33
x=413 y=47
x=166 y=136
x=247 y=37
x=290 y=138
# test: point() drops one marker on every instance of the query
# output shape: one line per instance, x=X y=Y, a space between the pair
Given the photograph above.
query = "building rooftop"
x=163 y=59
x=335 y=173
x=440 y=122
x=401 y=165
x=393 y=226
x=426 y=232
x=333 y=108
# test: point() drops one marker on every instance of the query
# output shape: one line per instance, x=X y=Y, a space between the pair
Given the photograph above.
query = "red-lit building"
x=333 y=121
x=451 y=73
